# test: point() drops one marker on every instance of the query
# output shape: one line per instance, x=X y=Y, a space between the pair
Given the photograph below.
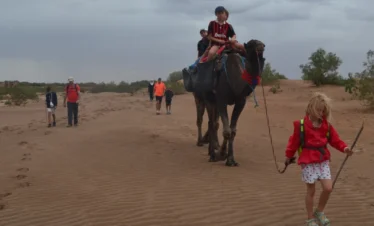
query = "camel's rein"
x=292 y=160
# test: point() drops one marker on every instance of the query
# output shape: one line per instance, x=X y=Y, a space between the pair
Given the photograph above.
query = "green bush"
x=322 y=68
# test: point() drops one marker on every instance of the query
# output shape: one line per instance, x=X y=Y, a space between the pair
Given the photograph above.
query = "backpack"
x=67 y=88
x=302 y=137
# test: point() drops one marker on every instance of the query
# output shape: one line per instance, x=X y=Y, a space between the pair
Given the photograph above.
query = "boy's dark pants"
x=72 y=112
x=151 y=96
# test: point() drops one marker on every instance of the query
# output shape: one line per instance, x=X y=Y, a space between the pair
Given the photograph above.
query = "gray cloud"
x=111 y=40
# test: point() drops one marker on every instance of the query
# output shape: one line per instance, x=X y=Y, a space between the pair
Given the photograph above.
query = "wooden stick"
x=346 y=157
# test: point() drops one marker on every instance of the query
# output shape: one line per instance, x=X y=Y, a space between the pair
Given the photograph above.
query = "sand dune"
x=126 y=166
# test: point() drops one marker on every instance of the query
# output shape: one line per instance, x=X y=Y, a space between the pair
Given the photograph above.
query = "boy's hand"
x=348 y=151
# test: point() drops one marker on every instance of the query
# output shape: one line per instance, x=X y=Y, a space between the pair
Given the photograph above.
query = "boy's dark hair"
x=48 y=89
x=202 y=31
x=220 y=9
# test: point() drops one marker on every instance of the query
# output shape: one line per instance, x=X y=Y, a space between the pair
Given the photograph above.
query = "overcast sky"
x=115 y=40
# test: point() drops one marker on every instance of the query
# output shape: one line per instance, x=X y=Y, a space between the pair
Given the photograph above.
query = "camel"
x=228 y=88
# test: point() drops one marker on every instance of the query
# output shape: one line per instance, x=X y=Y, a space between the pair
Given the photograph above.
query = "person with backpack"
x=71 y=101
x=51 y=104
x=310 y=138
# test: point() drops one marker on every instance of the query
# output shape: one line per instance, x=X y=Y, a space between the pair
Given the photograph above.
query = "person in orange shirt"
x=72 y=95
x=159 y=91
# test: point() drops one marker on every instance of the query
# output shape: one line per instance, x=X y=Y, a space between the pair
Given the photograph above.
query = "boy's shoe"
x=49 y=125
x=311 y=222
x=69 y=125
x=322 y=219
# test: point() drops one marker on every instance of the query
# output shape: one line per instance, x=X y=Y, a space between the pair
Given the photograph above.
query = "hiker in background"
x=72 y=97
x=51 y=103
x=311 y=136
x=150 y=90
x=168 y=98
x=159 y=91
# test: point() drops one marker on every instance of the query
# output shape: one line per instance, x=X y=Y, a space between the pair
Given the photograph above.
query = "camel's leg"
x=238 y=108
x=200 y=110
x=205 y=138
x=212 y=128
x=222 y=109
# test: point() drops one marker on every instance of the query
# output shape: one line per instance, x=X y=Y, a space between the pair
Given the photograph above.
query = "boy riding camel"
x=221 y=33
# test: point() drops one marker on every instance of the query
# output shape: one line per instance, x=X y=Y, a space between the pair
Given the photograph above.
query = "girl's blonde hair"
x=318 y=102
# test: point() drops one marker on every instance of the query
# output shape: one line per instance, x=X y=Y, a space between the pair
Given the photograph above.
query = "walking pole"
x=346 y=157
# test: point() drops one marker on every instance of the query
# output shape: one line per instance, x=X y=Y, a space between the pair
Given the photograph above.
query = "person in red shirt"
x=72 y=95
x=312 y=134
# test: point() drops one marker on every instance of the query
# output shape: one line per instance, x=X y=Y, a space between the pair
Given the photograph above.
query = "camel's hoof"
x=222 y=156
x=212 y=159
x=199 y=144
x=231 y=163
x=205 y=140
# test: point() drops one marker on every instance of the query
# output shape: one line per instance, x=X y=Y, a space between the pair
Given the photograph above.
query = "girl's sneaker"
x=311 y=222
x=322 y=219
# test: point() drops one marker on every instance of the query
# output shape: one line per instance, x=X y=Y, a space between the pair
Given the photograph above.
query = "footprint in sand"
x=20 y=176
x=5 y=195
x=23 y=170
x=24 y=184
x=26 y=156
x=23 y=143
x=47 y=132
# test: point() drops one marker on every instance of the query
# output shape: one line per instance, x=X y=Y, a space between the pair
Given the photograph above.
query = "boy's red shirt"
x=314 y=137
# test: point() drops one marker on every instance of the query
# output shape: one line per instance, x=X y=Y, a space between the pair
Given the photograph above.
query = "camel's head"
x=254 y=54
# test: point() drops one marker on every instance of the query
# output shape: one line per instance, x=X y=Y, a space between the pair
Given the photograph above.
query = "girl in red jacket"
x=310 y=138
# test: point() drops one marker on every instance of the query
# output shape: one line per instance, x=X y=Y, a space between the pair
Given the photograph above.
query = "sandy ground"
x=126 y=166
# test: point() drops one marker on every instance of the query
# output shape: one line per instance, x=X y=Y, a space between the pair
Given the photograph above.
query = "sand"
x=126 y=166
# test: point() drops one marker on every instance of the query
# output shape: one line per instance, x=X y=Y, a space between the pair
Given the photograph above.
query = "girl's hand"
x=289 y=161
x=348 y=151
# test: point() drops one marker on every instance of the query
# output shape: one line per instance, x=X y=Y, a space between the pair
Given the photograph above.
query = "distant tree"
x=322 y=68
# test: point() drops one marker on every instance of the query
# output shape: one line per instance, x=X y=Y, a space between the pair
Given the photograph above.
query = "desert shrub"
x=122 y=87
x=271 y=76
x=361 y=85
x=176 y=87
x=18 y=96
x=175 y=76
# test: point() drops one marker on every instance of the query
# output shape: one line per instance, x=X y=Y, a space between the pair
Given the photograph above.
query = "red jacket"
x=314 y=137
